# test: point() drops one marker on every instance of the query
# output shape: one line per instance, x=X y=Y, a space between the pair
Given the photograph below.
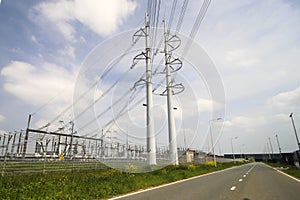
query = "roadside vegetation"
x=95 y=184
x=289 y=169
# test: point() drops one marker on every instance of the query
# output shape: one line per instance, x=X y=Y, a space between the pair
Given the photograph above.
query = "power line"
x=149 y=6
x=105 y=73
x=199 y=18
x=196 y=25
x=181 y=16
x=121 y=98
x=172 y=14
x=156 y=25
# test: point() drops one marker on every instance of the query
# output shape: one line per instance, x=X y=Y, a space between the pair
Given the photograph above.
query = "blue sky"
x=255 y=46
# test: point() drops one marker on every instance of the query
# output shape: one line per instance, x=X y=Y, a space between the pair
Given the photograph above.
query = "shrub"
x=191 y=166
x=209 y=163
x=131 y=168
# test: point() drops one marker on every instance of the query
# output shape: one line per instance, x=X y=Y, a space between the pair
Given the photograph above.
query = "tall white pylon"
x=151 y=144
x=171 y=123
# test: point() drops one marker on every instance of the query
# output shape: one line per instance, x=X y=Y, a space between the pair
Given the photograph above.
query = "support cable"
x=96 y=82
x=196 y=25
x=181 y=16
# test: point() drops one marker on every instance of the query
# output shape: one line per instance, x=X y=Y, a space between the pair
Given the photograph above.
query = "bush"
x=209 y=163
x=191 y=167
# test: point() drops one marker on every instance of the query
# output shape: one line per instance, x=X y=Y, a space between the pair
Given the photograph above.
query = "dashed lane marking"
x=233 y=188
x=173 y=183
x=240 y=180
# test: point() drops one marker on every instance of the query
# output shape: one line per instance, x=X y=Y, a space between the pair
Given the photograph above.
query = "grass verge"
x=289 y=169
x=95 y=184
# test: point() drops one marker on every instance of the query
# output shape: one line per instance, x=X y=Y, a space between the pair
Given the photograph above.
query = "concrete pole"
x=171 y=122
x=5 y=156
x=297 y=139
x=212 y=145
x=19 y=143
x=26 y=136
x=13 y=145
x=151 y=143
x=211 y=137
x=271 y=147
x=232 y=150
x=268 y=149
x=278 y=146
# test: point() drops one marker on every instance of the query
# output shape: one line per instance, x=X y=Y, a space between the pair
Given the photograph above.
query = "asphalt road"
x=254 y=181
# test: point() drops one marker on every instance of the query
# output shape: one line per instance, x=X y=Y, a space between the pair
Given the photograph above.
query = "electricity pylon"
x=170 y=90
x=151 y=143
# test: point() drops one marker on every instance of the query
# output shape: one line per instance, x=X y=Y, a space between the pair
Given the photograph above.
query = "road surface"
x=254 y=181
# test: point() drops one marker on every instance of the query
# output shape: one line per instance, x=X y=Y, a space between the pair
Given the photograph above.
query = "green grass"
x=94 y=184
x=289 y=169
x=49 y=166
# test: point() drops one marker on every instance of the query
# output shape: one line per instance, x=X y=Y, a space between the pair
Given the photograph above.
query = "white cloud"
x=33 y=38
x=68 y=51
x=206 y=105
x=286 y=100
x=240 y=58
x=254 y=45
x=49 y=88
x=101 y=16
x=253 y=123
x=246 y=123
x=2 y=118
x=37 y=86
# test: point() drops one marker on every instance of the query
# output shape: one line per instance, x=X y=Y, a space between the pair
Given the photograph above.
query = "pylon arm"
x=137 y=58
x=175 y=65
x=176 y=89
x=139 y=83
x=174 y=42
x=137 y=35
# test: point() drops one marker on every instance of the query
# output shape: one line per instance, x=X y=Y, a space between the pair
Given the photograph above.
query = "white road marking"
x=251 y=169
x=172 y=183
x=283 y=173
x=244 y=175
x=233 y=188
x=240 y=180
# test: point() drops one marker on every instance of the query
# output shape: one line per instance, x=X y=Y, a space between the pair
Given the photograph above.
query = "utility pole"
x=173 y=42
x=278 y=146
x=232 y=148
x=184 y=139
x=71 y=142
x=5 y=155
x=171 y=122
x=211 y=137
x=232 y=151
x=26 y=136
x=271 y=147
x=13 y=145
x=291 y=116
x=297 y=139
x=151 y=143
x=212 y=146
x=268 y=149
x=19 y=144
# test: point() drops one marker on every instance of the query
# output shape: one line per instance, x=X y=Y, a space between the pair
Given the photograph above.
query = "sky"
x=52 y=51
